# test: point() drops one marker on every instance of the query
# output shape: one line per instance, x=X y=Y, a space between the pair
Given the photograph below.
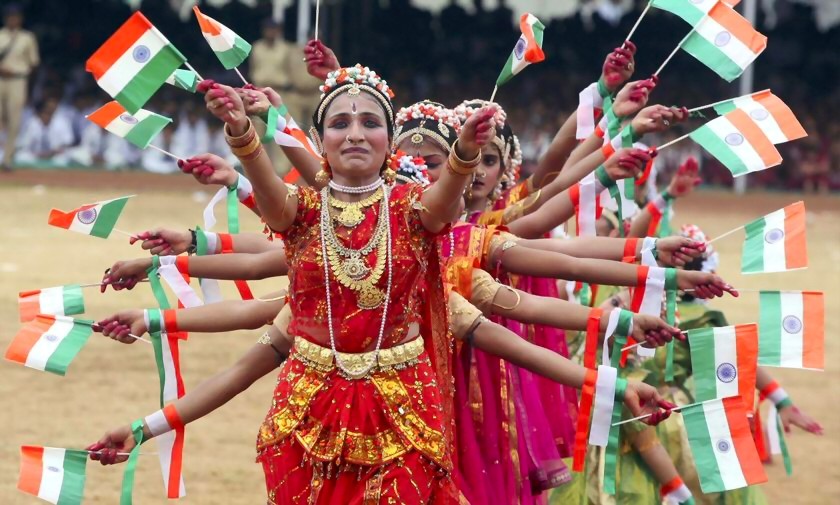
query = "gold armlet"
x=518 y=299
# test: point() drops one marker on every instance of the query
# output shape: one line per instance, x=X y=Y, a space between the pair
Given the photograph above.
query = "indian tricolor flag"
x=722 y=445
x=720 y=38
x=134 y=62
x=97 y=219
x=738 y=142
x=53 y=474
x=792 y=329
x=230 y=48
x=528 y=48
x=183 y=79
x=49 y=343
x=724 y=361
x=776 y=242
x=58 y=301
x=138 y=128
x=770 y=113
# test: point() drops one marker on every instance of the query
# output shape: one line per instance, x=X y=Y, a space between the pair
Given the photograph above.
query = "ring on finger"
x=666 y=122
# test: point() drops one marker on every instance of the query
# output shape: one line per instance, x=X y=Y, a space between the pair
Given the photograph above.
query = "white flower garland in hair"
x=429 y=111
x=413 y=168
x=357 y=74
x=469 y=107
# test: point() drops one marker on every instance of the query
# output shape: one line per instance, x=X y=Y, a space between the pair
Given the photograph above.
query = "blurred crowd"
x=447 y=57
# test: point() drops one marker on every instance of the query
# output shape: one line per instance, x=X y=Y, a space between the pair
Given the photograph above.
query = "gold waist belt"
x=321 y=358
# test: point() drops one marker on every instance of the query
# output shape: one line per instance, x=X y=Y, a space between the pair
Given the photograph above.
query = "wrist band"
x=777 y=395
x=620 y=388
x=170 y=322
x=164 y=421
x=459 y=166
x=675 y=491
x=603 y=177
x=668 y=197
x=226 y=239
x=630 y=245
x=206 y=242
x=182 y=263
x=648 y=253
x=154 y=322
x=593 y=329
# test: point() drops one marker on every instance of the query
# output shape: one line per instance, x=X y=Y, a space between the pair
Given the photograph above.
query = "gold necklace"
x=352 y=213
x=349 y=266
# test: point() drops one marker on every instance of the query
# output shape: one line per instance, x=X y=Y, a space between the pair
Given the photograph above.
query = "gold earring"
x=325 y=174
x=389 y=174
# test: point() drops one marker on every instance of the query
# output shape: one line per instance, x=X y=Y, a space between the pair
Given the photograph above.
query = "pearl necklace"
x=357 y=374
x=356 y=189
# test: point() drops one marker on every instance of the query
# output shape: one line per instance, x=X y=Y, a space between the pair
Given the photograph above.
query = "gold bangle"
x=243 y=139
x=453 y=153
x=247 y=150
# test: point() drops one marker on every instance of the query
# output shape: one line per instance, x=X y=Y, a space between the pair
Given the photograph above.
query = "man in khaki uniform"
x=279 y=64
x=18 y=57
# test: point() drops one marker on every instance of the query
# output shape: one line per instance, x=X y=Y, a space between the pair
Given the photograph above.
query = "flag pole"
x=493 y=96
x=130 y=334
x=674 y=52
x=94 y=284
x=637 y=344
x=194 y=70
x=317 y=16
x=730 y=232
x=724 y=101
x=675 y=409
x=240 y=75
x=122 y=453
x=638 y=22
x=127 y=234
x=156 y=148
x=672 y=142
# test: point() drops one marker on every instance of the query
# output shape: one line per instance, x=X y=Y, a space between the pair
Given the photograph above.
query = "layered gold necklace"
x=349 y=265
x=353 y=213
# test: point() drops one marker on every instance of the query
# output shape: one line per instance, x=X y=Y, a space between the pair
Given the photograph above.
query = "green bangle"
x=602 y=88
x=787 y=402
x=668 y=197
x=620 y=389
x=603 y=177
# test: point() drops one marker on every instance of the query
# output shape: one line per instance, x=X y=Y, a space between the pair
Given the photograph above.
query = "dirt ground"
x=111 y=384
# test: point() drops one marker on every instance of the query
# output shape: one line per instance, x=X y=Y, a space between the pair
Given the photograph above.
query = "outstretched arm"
x=208 y=396
x=789 y=413
x=227 y=315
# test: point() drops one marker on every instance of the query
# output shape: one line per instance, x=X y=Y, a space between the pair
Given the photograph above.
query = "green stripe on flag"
x=73 y=480
x=725 y=108
x=74 y=301
x=148 y=80
x=69 y=347
x=697 y=430
x=770 y=328
x=712 y=57
x=107 y=218
x=702 y=344
x=682 y=8
x=234 y=56
x=143 y=132
x=752 y=257
x=718 y=148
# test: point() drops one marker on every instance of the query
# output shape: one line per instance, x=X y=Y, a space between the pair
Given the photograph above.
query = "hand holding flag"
x=124 y=326
x=619 y=66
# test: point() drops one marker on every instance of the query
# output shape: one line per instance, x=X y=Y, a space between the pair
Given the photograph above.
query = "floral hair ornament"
x=504 y=140
x=430 y=120
x=354 y=80
x=411 y=169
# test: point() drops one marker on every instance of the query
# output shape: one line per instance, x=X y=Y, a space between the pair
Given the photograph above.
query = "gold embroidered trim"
x=321 y=358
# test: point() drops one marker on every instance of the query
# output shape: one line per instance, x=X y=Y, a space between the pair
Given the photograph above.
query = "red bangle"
x=671 y=486
x=593 y=326
x=182 y=263
x=227 y=242
x=170 y=321
x=768 y=390
x=608 y=150
x=630 y=250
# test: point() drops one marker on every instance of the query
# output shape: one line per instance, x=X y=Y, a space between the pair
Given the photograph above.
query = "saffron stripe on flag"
x=757 y=139
x=796 y=252
x=813 y=352
x=117 y=45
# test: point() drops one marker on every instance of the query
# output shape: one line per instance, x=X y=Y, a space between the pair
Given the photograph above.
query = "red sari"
x=387 y=437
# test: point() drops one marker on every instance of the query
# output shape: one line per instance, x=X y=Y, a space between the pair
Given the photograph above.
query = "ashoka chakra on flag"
x=87 y=216
x=726 y=372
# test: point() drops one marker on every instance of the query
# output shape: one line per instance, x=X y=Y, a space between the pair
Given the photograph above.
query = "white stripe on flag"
x=46 y=346
x=52 y=474
x=79 y=226
x=117 y=77
x=774 y=253
x=52 y=300
x=762 y=117
x=166 y=444
x=224 y=41
x=703 y=5
x=121 y=127
x=726 y=351
x=772 y=430
x=170 y=381
x=725 y=41
x=724 y=129
x=602 y=411
x=792 y=330
x=723 y=446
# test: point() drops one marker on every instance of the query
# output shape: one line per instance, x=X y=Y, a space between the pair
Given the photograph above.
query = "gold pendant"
x=355 y=267
x=370 y=297
x=350 y=216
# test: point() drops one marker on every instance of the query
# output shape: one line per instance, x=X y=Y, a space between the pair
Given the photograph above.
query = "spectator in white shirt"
x=191 y=135
x=45 y=136
x=155 y=161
